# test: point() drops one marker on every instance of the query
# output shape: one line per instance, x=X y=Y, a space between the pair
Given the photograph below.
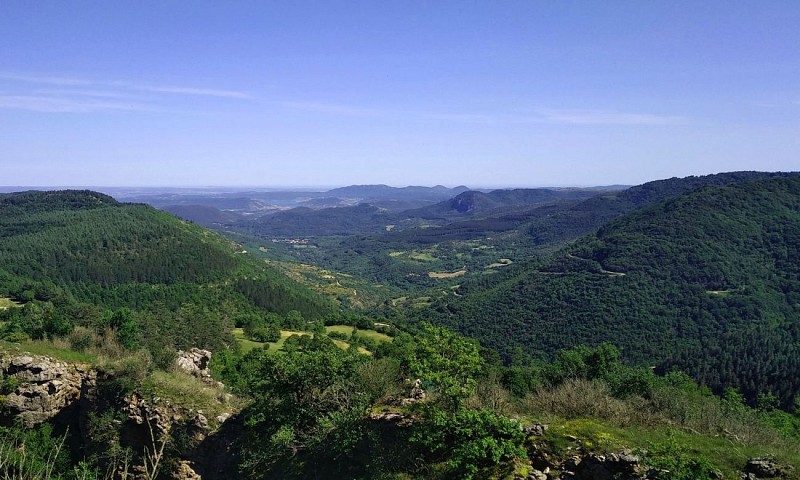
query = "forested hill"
x=707 y=282
x=573 y=221
x=71 y=257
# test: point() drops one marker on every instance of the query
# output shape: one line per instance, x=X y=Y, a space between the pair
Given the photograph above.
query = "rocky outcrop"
x=417 y=394
x=42 y=387
x=195 y=363
x=765 y=468
x=588 y=466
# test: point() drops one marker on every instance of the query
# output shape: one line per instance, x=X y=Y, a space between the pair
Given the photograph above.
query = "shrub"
x=470 y=439
x=672 y=461
x=579 y=398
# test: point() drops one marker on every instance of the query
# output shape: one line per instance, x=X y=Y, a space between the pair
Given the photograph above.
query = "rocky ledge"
x=39 y=388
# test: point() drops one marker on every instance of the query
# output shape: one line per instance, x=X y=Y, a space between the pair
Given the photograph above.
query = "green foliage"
x=703 y=282
x=444 y=360
x=673 y=461
x=305 y=400
x=32 y=454
x=78 y=258
x=469 y=439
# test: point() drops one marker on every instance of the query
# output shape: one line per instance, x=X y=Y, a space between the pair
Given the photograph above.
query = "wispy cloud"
x=80 y=95
x=545 y=115
x=47 y=80
x=464 y=117
x=64 y=105
x=336 y=109
x=206 y=92
x=601 y=117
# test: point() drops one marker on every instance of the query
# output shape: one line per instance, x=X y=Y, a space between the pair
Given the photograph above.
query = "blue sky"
x=494 y=93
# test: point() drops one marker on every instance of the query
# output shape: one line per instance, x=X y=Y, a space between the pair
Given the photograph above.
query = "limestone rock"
x=536 y=429
x=537 y=475
x=195 y=362
x=765 y=468
x=46 y=387
x=184 y=471
x=417 y=394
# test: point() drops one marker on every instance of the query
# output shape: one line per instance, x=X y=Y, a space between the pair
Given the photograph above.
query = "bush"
x=380 y=378
x=672 y=461
x=470 y=439
x=579 y=398
x=83 y=339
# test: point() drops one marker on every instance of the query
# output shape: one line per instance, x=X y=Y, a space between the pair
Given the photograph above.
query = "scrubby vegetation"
x=697 y=294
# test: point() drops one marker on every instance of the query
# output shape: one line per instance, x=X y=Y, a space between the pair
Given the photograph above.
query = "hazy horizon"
x=422 y=93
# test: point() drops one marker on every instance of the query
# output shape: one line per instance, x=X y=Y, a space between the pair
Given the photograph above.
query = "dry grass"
x=455 y=274
x=579 y=398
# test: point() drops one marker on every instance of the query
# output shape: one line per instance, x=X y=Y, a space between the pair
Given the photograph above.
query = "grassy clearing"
x=399 y=300
x=247 y=344
x=396 y=254
x=503 y=262
x=455 y=274
x=58 y=349
x=598 y=436
x=422 y=257
x=189 y=392
x=370 y=334
x=721 y=293
x=8 y=303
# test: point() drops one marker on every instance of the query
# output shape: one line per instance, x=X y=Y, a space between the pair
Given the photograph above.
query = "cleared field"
x=503 y=262
x=370 y=334
x=419 y=256
x=8 y=303
x=455 y=274
x=247 y=344
x=721 y=293
x=422 y=257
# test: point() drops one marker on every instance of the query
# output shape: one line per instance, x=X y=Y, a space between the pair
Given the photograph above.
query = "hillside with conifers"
x=81 y=259
x=706 y=282
x=275 y=381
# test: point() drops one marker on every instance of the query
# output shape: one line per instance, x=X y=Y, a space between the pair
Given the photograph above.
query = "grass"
x=370 y=334
x=422 y=257
x=599 y=436
x=8 y=303
x=721 y=293
x=455 y=274
x=188 y=392
x=59 y=350
x=247 y=344
x=503 y=262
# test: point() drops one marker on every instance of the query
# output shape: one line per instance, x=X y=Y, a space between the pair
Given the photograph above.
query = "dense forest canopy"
x=705 y=282
x=72 y=257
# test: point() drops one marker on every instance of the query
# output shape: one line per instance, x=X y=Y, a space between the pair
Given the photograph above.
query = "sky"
x=326 y=93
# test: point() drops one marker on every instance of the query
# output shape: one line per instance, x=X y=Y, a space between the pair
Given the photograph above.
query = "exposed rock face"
x=589 y=466
x=195 y=363
x=537 y=429
x=46 y=387
x=417 y=394
x=184 y=471
x=764 y=468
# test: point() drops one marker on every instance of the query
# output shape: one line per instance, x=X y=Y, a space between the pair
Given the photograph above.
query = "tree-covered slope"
x=75 y=257
x=706 y=282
